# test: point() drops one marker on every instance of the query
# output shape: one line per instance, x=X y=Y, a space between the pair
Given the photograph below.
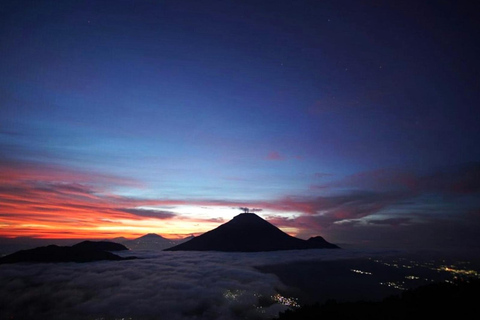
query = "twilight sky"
x=354 y=120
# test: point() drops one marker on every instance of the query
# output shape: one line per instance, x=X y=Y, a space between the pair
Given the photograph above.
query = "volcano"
x=247 y=232
x=152 y=241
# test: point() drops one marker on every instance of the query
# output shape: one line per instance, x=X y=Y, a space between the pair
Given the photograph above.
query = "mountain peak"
x=150 y=236
x=247 y=215
x=249 y=220
x=153 y=241
x=247 y=232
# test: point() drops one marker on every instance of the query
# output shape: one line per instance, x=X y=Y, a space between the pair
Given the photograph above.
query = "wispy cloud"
x=274 y=155
x=158 y=214
x=366 y=201
x=11 y=170
x=49 y=201
x=390 y=221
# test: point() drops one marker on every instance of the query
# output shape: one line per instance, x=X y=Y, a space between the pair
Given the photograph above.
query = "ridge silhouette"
x=86 y=251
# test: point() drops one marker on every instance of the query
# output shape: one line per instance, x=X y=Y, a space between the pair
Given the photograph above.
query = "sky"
x=354 y=120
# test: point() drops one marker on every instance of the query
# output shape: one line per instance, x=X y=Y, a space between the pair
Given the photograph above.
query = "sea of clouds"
x=160 y=285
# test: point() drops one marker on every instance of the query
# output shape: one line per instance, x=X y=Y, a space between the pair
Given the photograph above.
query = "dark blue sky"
x=348 y=119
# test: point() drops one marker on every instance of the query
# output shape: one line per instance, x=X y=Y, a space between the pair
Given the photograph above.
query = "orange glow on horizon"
x=47 y=202
x=42 y=202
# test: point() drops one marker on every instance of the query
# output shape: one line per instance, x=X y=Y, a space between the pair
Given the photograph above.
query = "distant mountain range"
x=86 y=251
x=150 y=241
x=248 y=232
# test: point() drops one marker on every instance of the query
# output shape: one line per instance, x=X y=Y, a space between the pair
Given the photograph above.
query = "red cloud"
x=41 y=201
x=53 y=201
x=28 y=171
x=274 y=155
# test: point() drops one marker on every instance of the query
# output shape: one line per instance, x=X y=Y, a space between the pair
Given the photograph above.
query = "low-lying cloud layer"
x=163 y=285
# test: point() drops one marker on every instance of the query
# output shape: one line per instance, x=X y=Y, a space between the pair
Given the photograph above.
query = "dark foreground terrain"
x=86 y=251
x=367 y=279
x=457 y=300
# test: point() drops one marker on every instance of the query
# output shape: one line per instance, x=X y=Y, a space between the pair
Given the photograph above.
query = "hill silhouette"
x=100 y=245
x=247 y=232
x=86 y=251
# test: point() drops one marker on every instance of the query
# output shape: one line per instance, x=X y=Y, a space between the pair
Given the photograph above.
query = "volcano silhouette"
x=247 y=232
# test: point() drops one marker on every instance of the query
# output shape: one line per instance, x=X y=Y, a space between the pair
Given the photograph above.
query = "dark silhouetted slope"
x=100 y=245
x=82 y=252
x=247 y=232
x=319 y=242
x=433 y=301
